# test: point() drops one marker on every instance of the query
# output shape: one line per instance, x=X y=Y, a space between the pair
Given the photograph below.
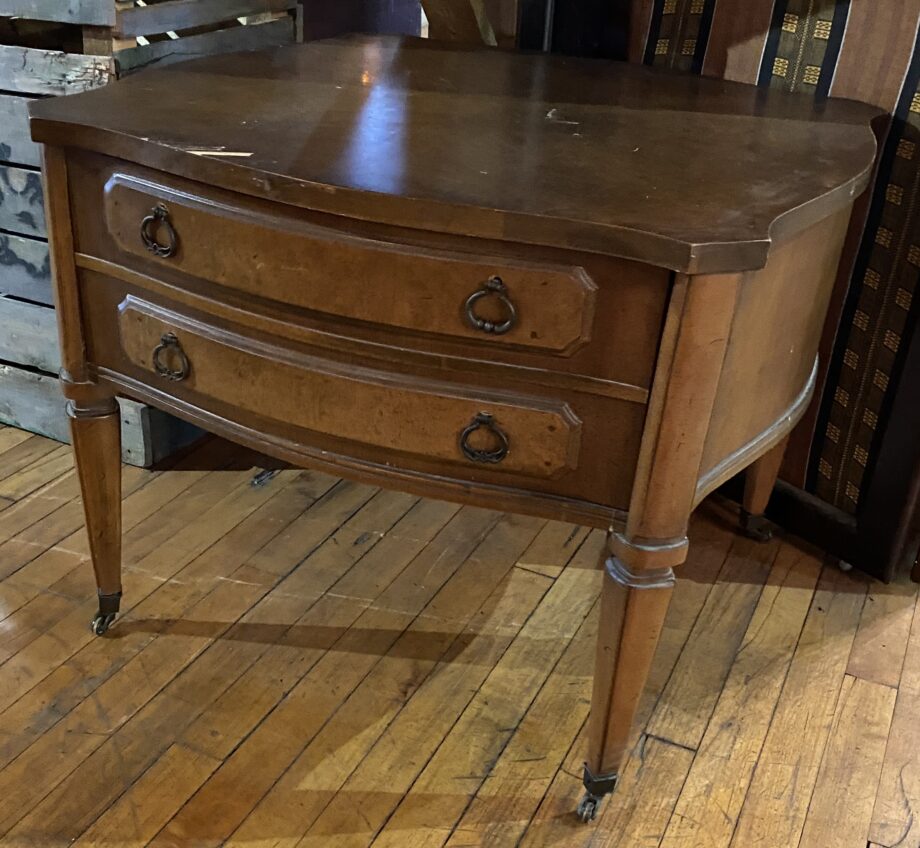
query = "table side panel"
x=769 y=368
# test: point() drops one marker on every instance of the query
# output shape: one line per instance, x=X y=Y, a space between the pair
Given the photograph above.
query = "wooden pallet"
x=126 y=18
x=57 y=47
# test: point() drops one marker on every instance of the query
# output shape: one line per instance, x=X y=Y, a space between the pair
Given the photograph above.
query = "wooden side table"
x=572 y=289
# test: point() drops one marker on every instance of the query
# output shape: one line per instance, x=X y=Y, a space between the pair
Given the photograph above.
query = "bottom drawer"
x=362 y=405
x=446 y=433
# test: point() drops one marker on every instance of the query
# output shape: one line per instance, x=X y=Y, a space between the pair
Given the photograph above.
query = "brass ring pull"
x=494 y=287
x=169 y=345
x=494 y=456
x=156 y=221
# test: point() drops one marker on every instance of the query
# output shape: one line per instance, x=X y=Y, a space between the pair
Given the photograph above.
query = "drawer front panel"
x=495 y=300
x=361 y=405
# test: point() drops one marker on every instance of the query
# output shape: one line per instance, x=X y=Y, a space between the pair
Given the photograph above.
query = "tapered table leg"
x=633 y=608
x=637 y=567
x=759 y=481
x=96 y=434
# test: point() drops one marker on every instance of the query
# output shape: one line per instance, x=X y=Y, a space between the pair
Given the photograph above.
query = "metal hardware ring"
x=169 y=342
x=159 y=219
x=495 y=287
x=484 y=419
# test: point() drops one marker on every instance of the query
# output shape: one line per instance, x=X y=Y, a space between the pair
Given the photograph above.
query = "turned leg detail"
x=759 y=480
x=96 y=434
x=633 y=608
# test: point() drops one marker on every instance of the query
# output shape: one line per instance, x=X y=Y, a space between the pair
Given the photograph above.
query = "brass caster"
x=596 y=787
x=101 y=623
x=108 y=610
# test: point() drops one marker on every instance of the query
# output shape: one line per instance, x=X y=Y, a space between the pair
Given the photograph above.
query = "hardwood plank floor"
x=314 y=663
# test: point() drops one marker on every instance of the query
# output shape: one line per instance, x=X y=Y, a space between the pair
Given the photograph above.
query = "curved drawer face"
x=411 y=415
x=543 y=308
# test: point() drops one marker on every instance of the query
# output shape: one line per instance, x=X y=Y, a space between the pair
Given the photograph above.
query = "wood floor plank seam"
x=57 y=546
x=287 y=629
x=499 y=588
x=24 y=506
x=144 y=481
x=154 y=639
x=646 y=736
x=122 y=762
x=753 y=601
x=827 y=740
x=566 y=786
x=776 y=806
x=434 y=752
x=46 y=470
x=776 y=704
x=33 y=516
x=854 y=688
x=482 y=539
x=146 y=478
x=680 y=653
x=92 y=645
x=355 y=564
x=884 y=833
x=746 y=639
x=884 y=633
x=436 y=667
x=10 y=437
x=454 y=724
x=37 y=445
x=578 y=740
x=508 y=741
x=25 y=751
x=178 y=462
x=463 y=712
x=300 y=564
x=502 y=787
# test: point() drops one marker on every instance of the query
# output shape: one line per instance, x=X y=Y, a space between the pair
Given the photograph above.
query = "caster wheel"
x=108 y=609
x=587 y=809
x=101 y=623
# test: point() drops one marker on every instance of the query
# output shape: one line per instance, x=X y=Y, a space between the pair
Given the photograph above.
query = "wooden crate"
x=50 y=48
x=33 y=401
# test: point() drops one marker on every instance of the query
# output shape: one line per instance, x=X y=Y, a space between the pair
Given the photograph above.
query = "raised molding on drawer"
x=362 y=405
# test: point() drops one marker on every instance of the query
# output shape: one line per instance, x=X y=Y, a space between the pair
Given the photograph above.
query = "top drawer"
x=307 y=266
x=594 y=317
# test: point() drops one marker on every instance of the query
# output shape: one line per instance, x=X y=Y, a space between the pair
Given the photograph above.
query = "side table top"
x=697 y=175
